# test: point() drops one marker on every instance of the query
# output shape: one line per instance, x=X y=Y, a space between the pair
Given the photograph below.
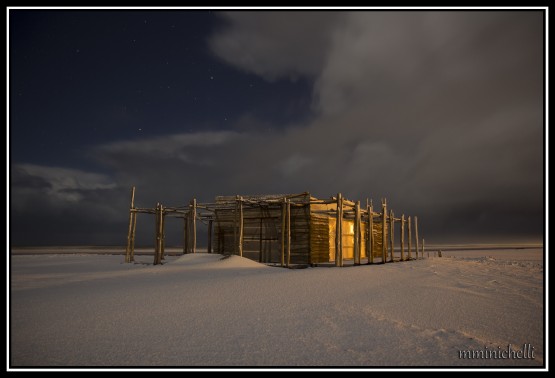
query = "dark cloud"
x=276 y=44
x=20 y=179
x=440 y=112
x=53 y=205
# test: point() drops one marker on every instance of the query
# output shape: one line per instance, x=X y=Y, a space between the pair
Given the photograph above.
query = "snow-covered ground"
x=202 y=310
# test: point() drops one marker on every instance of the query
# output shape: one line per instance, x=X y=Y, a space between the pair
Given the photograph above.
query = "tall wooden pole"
x=269 y=252
x=422 y=254
x=236 y=227
x=416 y=234
x=410 y=236
x=158 y=233
x=133 y=233
x=384 y=233
x=288 y=233
x=194 y=220
x=283 y=221
x=241 y=226
x=370 y=245
x=186 y=234
x=260 y=246
x=162 y=233
x=128 y=258
x=210 y=227
x=392 y=234
x=356 y=235
x=403 y=237
x=339 y=232
x=341 y=255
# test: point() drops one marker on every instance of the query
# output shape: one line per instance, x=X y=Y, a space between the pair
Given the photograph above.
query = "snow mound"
x=216 y=261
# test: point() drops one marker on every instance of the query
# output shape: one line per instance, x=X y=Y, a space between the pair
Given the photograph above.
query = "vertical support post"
x=370 y=245
x=403 y=237
x=416 y=234
x=339 y=232
x=186 y=234
x=423 y=249
x=384 y=233
x=210 y=227
x=356 y=235
x=194 y=220
x=392 y=234
x=283 y=220
x=410 y=237
x=288 y=233
x=128 y=258
x=260 y=259
x=133 y=236
x=236 y=227
x=162 y=233
x=158 y=233
x=269 y=252
x=241 y=226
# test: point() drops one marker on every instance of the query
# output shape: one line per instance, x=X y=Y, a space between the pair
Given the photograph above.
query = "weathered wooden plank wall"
x=265 y=243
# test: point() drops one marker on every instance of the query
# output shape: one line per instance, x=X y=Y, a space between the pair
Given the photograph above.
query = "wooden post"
x=210 y=227
x=260 y=238
x=269 y=252
x=392 y=234
x=186 y=234
x=423 y=249
x=241 y=226
x=339 y=232
x=416 y=234
x=370 y=245
x=130 y=230
x=158 y=233
x=403 y=237
x=194 y=231
x=410 y=237
x=384 y=234
x=162 y=233
x=283 y=219
x=236 y=227
x=356 y=236
x=288 y=233
x=132 y=254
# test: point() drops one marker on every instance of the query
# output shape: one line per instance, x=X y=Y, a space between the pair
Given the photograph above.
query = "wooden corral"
x=287 y=229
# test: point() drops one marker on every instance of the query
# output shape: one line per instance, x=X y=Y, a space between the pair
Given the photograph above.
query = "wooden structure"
x=285 y=229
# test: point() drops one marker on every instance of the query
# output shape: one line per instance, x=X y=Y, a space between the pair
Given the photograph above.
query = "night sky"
x=442 y=112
